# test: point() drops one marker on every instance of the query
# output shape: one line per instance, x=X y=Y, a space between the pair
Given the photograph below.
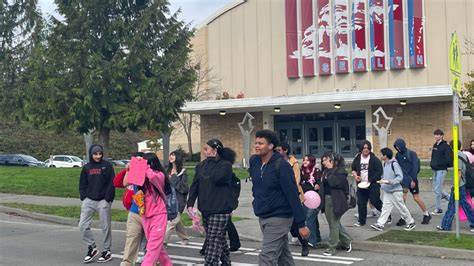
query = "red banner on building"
x=308 y=42
x=292 y=47
x=359 y=45
x=341 y=36
x=377 y=34
x=416 y=33
x=324 y=37
x=395 y=26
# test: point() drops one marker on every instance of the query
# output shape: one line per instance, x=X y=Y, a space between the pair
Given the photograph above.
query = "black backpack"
x=469 y=177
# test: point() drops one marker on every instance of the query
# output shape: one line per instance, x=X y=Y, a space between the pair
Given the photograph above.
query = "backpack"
x=235 y=184
x=413 y=157
x=469 y=177
x=352 y=196
x=172 y=204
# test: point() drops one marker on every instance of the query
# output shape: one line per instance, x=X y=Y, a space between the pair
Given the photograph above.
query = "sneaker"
x=437 y=212
x=139 y=260
x=426 y=219
x=304 y=251
x=401 y=222
x=202 y=252
x=184 y=242
x=389 y=220
x=472 y=230
x=373 y=214
x=234 y=249
x=377 y=227
x=358 y=224
x=349 y=248
x=356 y=215
x=327 y=253
x=106 y=256
x=294 y=240
x=91 y=254
x=410 y=227
x=439 y=228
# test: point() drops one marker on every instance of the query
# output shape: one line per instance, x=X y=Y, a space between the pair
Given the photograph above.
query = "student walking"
x=97 y=193
x=440 y=161
x=276 y=202
x=410 y=165
x=334 y=192
x=311 y=181
x=212 y=188
x=179 y=180
x=393 y=192
x=447 y=221
x=367 y=170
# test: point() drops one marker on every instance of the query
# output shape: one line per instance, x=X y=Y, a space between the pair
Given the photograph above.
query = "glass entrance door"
x=350 y=135
x=292 y=133
x=320 y=136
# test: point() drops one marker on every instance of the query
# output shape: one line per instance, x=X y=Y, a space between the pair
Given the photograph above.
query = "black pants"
x=363 y=196
x=233 y=237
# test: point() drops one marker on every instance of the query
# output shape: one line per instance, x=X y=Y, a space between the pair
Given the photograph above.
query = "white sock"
x=425 y=213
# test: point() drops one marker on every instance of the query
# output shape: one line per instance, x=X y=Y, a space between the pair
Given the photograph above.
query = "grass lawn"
x=75 y=212
x=57 y=182
x=437 y=239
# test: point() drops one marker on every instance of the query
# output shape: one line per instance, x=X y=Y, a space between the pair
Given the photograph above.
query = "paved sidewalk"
x=248 y=227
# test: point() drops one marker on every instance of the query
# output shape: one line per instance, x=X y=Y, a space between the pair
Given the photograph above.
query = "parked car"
x=118 y=163
x=64 y=161
x=20 y=160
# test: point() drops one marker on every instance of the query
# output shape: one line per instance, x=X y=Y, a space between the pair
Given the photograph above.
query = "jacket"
x=441 y=156
x=275 y=194
x=212 y=187
x=406 y=158
x=127 y=197
x=375 y=167
x=154 y=194
x=394 y=175
x=297 y=172
x=180 y=183
x=339 y=186
x=96 y=180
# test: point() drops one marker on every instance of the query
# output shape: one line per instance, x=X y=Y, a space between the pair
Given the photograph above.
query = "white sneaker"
x=294 y=240
x=184 y=242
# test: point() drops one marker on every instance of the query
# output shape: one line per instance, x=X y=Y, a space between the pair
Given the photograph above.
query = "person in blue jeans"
x=441 y=159
x=447 y=221
x=311 y=180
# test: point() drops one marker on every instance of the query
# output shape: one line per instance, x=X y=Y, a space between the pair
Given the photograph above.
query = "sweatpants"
x=88 y=209
x=155 y=229
x=216 y=246
x=363 y=196
x=134 y=238
x=390 y=200
x=275 y=250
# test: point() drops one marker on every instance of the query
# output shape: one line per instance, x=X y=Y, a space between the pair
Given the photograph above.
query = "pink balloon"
x=312 y=199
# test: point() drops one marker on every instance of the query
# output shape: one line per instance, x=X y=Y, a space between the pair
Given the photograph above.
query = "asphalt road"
x=25 y=241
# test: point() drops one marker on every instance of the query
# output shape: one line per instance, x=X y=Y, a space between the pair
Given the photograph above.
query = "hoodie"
x=275 y=194
x=408 y=161
x=393 y=174
x=96 y=179
x=441 y=156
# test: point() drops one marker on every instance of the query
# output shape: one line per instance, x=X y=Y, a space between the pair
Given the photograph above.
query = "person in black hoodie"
x=366 y=167
x=441 y=159
x=334 y=192
x=216 y=200
x=276 y=201
x=97 y=192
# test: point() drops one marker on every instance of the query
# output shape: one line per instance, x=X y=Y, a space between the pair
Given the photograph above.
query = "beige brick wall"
x=467 y=132
x=225 y=129
x=415 y=124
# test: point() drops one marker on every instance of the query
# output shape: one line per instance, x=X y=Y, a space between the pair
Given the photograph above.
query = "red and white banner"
x=416 y=33
x=359 y=45
x=292 y=47
x=395 y=24
x=341 y=36
x=308 y=41
x=324 y=37
x=377 y=34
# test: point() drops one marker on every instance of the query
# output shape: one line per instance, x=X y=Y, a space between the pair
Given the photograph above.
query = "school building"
x=315 y=71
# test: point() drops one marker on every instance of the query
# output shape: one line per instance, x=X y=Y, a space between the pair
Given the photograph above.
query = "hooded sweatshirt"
x=441 y=157
x=394 y=175
x=96 y=179
x=407 y=159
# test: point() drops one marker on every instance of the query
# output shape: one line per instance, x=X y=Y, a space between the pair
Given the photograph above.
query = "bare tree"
x=206 y=88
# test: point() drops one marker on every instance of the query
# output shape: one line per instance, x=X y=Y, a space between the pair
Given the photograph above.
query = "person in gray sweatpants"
x=97 y=193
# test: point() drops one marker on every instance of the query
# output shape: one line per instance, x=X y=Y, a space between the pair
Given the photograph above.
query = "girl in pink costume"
x=155 y=218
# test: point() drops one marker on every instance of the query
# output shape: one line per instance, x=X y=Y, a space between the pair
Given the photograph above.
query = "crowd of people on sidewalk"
x=279 y=186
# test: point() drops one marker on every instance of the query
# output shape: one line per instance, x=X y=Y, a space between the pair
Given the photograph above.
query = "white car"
x=64 y=161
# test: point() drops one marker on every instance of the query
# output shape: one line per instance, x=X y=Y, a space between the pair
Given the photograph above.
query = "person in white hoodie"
x=393 y=192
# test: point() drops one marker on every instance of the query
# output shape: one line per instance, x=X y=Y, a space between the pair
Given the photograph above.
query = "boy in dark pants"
x=97 y=192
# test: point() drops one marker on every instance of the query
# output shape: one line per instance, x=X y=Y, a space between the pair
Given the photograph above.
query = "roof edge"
x=220 y=12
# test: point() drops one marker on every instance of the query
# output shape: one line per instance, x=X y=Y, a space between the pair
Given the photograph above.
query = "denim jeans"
x=313 y=225
x=448 y=217
x=438 y=179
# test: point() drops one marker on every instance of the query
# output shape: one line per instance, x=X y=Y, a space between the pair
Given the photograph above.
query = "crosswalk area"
x=189 y=255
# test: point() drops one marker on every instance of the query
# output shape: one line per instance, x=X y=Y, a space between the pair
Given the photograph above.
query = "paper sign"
x=137 y=171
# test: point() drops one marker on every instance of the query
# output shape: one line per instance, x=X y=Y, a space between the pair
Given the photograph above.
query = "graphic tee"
x=364 y=168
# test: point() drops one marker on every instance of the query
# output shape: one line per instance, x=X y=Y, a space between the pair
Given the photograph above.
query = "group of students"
x=278 y=199
x=148 y=220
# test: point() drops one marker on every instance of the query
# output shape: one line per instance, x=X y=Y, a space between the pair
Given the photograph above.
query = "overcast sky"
x=192 y=11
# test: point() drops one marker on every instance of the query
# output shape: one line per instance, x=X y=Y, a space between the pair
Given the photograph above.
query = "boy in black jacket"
x=441 y=159
x=97 y=192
